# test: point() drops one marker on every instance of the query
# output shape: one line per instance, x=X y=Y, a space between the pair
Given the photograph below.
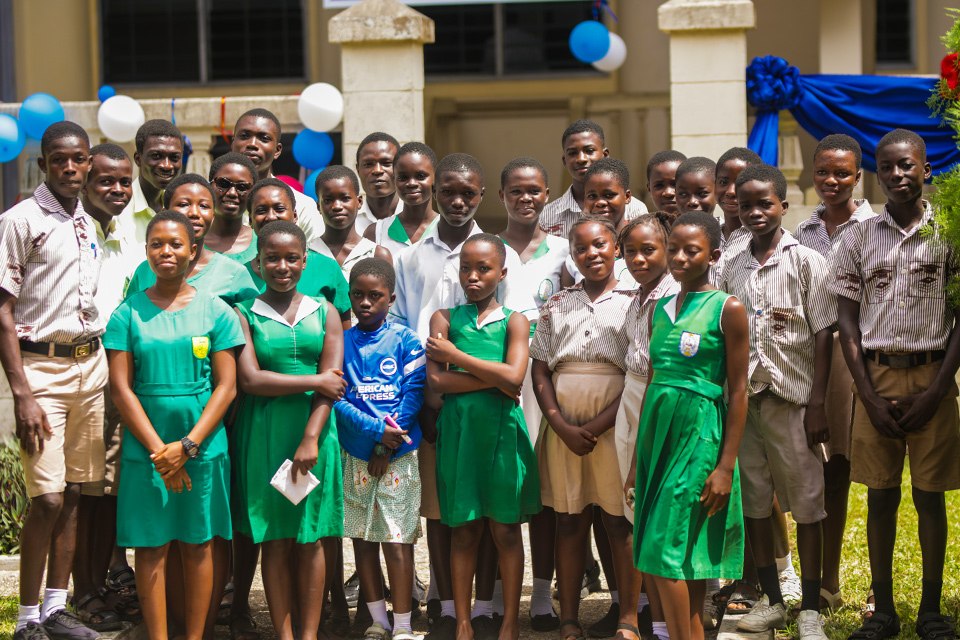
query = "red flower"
x=950 y=71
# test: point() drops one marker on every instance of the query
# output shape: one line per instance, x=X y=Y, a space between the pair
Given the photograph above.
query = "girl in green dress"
x=232 y=176
x=688 y=522
x=172 y=377
x=486 y=467
x=289 y=372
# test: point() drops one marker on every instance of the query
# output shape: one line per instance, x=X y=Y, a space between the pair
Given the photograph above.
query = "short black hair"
x=764 y=173
x=904 y=135
x=492 y=240
x=273 y=182
x=840 y=142
x=233 y=158
x=696 y=165
x=593 y=219
x=336 y=172
x=418 y=148
x=744 y=155
x=704 y=221
x=110 y=150
x=60 y=130
x=582 y=126
x=376 y=136
x=173 y=216
x=611 y=166
x=523 y=163
x=658 y=221
x=276 y=227
x=157 y=129
x=260 y=113
x=376 y=267
x=460 y=163
x=663 y=157
x=182 y=179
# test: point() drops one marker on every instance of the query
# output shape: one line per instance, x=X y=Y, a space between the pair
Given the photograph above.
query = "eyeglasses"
x=225 y=184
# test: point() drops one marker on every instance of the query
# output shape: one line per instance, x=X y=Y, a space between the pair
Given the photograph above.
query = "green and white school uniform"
x=391 y=235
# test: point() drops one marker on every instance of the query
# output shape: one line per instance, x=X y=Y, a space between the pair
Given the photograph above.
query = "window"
x=525 y=38
x=199 y=41
x=895 y=33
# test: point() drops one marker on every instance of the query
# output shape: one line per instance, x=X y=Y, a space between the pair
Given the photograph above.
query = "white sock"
x=615 y=596
x=482 y=608
x=660 y=630
x=785 y=564
x=644 y=601
x=401 y=621
x=378 y=611
x=447 y=608
x=540 y=601
x=53 y=600
x=498 y=597
x=27 y=614
x=432 y=593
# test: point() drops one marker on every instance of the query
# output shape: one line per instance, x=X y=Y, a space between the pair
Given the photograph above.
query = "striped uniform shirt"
x=557 y=217
x=813 y=233
x=787 y=303
x=899 y=278
x=574 y=329
x=729 y=247
x=51 y=265
x=638 y=325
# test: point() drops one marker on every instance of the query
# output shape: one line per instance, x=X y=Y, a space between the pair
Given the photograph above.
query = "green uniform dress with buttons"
x=486 y=466
x=172 y=378
x=678 y=445
x=269 y=430
x=221 y=277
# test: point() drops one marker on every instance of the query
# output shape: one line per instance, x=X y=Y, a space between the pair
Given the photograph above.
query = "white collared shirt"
x=365 y=216
x=308 y=216
x=366 y=248
x=306 y=307
x=537 y=279
x=133 y=220
x=121 y=257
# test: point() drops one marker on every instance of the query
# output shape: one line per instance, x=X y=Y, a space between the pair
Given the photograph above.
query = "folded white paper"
x=283 y=483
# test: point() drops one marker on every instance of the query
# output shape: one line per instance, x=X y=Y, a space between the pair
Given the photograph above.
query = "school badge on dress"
x=201 y=346
x=689 y=344
x=545 y=290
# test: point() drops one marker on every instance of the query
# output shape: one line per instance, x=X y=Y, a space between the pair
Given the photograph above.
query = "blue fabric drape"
x=863 y=107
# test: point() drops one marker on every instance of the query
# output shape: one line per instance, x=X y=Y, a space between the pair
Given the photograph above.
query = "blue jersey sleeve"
x=412 y=383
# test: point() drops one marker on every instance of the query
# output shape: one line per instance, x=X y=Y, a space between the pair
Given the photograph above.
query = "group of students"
x=673 y=381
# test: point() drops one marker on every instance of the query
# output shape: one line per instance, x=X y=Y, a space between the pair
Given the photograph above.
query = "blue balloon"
x=12 y=138
x=589 y=41
x=313 y=149
x=38 y=112
x=106 y=92
x=310 y=184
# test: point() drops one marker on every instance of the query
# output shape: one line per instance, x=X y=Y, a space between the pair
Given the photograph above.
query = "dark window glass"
x=464 y=40
x=536 y=36
x=252 y=39
x=894 y=32
x=149 y=41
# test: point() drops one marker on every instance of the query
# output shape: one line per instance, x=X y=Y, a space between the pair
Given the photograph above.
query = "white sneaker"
x=376 y=632
x=406 y=634
x=790 y=587
x=763 y=617
x=810 y=624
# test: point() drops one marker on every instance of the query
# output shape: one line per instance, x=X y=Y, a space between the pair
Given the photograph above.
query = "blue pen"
x=93 y=245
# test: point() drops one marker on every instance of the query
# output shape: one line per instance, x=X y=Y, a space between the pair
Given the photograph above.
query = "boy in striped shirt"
x=792 y=314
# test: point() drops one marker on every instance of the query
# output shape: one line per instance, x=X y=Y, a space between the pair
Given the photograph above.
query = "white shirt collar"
x=307 y=306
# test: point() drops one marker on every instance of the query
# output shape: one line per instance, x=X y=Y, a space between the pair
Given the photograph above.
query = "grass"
x=8 y=616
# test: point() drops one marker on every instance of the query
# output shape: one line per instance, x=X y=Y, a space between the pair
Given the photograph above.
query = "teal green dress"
x=242 y=257
x=678 y=446
x=223 y=278
x=486 y=467
x=172 y=352
x=268 y=431
x=321 y=277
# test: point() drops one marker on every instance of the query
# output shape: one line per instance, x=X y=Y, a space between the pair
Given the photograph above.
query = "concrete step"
x=728 y=630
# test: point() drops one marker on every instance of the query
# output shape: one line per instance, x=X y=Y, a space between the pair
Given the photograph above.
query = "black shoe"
x=352 y=590
x=65 y=625
x=606 y=626
x=419 y=591
x=363 y=619
x=485 y=628
x=645 y=622
x=545 y=621
x=33 y=631
x=445 y=628
x=434 y=610
x=591 y=580
x=935 y=626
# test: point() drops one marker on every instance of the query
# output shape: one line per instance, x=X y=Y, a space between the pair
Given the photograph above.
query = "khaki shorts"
x=70 y=392
x=838 y=404
x=774 y=458
x=934 y=449
x=112 y=439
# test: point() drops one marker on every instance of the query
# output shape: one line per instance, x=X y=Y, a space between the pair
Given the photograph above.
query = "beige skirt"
x=625 y=429
x=570 y=483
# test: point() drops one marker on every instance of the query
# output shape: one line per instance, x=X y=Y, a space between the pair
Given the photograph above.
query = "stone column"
x=382 y=70
x=708 y=61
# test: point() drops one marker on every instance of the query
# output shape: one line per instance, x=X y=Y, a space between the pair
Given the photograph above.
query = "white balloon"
x=120 y=117
x=320 y=106
x=616 y=54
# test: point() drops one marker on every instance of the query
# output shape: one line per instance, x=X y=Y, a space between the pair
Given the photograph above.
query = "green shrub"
x=13 y=497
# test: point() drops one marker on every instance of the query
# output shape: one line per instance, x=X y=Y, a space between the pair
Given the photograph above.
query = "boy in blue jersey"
x=384 y=366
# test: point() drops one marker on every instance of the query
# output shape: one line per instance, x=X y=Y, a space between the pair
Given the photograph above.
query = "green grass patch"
x=8 y=616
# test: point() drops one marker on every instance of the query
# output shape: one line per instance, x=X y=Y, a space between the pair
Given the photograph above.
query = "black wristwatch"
x=380 y=449
x=191 y=448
